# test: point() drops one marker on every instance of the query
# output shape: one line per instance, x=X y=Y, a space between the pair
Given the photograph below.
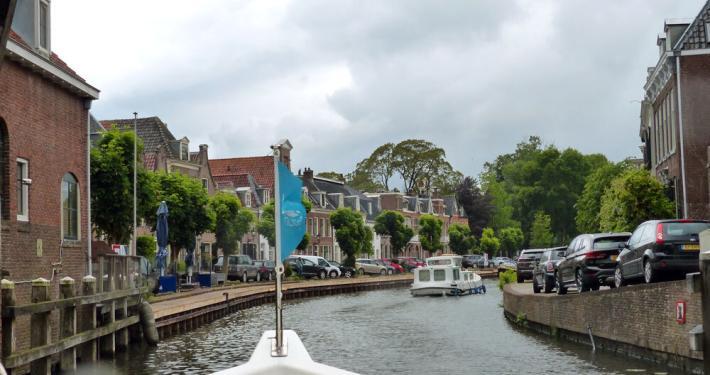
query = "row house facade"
x=675 y=114
x=44 y=145
x=163 y=152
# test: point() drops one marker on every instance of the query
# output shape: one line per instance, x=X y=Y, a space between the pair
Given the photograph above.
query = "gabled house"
x=675 y=114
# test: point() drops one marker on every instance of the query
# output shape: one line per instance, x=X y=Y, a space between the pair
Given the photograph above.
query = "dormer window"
x=184 y=152
x=43 y=25
x=707 y=32
x=265 y=196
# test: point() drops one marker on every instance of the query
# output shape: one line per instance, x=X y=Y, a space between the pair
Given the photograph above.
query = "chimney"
x=308 y=175
x=203 y=147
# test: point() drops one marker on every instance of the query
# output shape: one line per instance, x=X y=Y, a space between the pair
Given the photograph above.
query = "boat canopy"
x=445 y=260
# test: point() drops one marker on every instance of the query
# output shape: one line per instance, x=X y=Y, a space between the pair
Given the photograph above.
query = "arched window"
x=70 y=207
x=4 y=171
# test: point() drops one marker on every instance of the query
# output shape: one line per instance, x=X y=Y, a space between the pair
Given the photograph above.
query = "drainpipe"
x=87 y=105
x=682 y=138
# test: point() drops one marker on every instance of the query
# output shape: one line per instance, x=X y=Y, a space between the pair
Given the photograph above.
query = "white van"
x=333 y=271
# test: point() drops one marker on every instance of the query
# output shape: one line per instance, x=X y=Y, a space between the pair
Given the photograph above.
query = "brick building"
x=675 y=113
x=44 y=126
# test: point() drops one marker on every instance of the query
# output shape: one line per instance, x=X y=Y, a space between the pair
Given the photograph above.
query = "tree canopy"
x=112 y=186
x=353 y=236
x=231 y=221
x=391 y=223
x=511 y=240
x=430 y=233
x=633 y=198
x=590 y=202
x=460 y=239
x=489 y=243
x=475 y=204
x=540 y=233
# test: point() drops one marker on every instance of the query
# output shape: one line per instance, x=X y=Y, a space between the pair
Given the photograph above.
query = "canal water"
x=381 y=332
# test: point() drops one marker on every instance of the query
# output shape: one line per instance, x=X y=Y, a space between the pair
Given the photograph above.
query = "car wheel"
x=258 y=277
x=579 y=280
x=649 y=275
x=536 y=288
x=383 y=272
x=348 y=274
x=548 y=284
x=361 y=271
x=389 y=272
x=558 y=284
x=333 y=274
x=244 y=277
x=619 y=277
x=321 y=275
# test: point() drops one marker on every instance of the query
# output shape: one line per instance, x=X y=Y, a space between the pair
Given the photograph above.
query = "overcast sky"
x=339 y=78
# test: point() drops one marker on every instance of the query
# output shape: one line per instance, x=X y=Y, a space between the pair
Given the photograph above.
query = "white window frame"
x=23 y=213
x=265 y=196
x=38 y=6
x=186 y=155
x=247 y=198
x=78 y=210
x=707 y=32
x=204 y=184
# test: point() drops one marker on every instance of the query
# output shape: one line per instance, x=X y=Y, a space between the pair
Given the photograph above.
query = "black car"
x=470 y=261
x=345 y=271
x=660 y=247
x=589 y=261
x=305 y=268
x=526 y=262
x=544 y=271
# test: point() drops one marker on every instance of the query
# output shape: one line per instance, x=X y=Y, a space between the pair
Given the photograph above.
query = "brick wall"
x=639 y=315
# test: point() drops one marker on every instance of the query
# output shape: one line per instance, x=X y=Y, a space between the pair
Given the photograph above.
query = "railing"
x=95 y=322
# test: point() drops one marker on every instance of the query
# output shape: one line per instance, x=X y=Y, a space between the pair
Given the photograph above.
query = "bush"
x=145 y=246
x=507 y=277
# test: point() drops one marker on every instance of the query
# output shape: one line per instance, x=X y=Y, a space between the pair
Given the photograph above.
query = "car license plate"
x=691 y=247
x=613 y=258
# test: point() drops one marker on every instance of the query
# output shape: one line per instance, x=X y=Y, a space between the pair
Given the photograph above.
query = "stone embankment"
x=641 y=321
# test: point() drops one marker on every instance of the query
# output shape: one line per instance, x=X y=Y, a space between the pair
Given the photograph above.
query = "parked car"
x=526 y=262
x=589 y=261
x=345 y=271
x=393 y=264
x=660 y=247
x=508 y=265
x=369 y=266
x=410 y=263
x=380 y=262
x=265 y=269
x=305 y=268
x=471 y=260
x=497 y=261
x=546 y=269
x=240 y=267
x=483 y=262
x=332 y=271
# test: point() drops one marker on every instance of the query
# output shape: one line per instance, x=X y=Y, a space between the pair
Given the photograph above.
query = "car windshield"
x=258 y=263
x=609 y=243
x=529 y=256
x=683 y=231
x=557 y=255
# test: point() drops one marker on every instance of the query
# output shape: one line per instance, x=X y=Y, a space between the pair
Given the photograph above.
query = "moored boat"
x=443 y=275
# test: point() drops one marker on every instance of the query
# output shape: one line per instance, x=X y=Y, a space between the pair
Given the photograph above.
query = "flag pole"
x=135 y=181
x=278 y=349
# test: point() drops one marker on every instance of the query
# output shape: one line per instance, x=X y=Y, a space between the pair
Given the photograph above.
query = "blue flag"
x=293 y=214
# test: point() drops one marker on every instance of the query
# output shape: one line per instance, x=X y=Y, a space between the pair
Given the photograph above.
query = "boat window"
x=424 y=275
x=456 y=275
x=438 y=262
x=439 y=275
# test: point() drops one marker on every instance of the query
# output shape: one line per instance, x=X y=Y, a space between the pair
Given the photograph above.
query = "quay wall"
x=638 y=320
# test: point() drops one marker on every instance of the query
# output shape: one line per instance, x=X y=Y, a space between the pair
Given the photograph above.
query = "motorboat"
x=443 y=276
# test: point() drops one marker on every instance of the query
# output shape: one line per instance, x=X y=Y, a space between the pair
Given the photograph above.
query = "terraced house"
x=44 y=143
x=675 y=113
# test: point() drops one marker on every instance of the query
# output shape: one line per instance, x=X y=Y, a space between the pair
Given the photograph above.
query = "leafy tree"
x=112 y=186
x=430 y=233
x=145 y=247
x=500 y=201
x=391 y=223
x=540 y=234
x=189 y=214
x=489 y=243
x=460 y=239
x=332 y=176
x=362 y=181
x=267 y=228
x=353 y=236
x=231 y=223
x=590 y=202
x=511 y=240
x=417 y=162
x=379 y=166
x=633 y=198
x=475 y=204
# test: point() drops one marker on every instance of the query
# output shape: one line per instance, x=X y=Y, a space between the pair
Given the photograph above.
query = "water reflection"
x=381 y=332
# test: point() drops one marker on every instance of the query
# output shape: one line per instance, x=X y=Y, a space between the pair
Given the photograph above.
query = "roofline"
x=690 y=26
x=18 y=50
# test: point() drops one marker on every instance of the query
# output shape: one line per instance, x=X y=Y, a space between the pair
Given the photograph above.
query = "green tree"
x=511 y=240
x=475 y=204
x=633 y=198
x=112 y=186
x=391 y=223
x=500 y=200
x=418 y=162
x=353 y=236
x=540 y=233
x=232 y=222
x=489 y=243
x=460 y=239
x=430 y=233
x=189 y=214
x=378 y=167
x=145 y=247
x=590 y=202
x=267 y=228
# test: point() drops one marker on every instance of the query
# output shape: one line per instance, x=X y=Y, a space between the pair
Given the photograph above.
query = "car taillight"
x=550 y=267
x=596 y=255
x=659 y=234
